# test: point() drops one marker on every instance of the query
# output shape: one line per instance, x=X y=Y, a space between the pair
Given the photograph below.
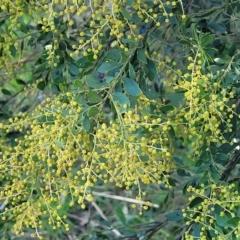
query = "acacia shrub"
x=120 y=86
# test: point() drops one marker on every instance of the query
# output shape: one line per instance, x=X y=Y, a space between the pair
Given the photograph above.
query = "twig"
x=125 y=199
x=117 y=233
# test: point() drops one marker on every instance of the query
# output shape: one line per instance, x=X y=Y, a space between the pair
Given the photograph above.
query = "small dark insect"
x=101 y=76
x=102 y=80
x=143 y=29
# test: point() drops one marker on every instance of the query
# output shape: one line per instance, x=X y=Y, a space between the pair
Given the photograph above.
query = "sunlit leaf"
x=120 y=98
x=93 y=111
x=94 y=82
x=93 y=97
x=131 y=86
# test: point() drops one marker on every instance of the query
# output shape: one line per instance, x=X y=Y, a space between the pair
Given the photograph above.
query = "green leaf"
x=56 y=73
x=61 y=87
x=178 y=161
x=144 y=158
x=54 y=89
x=125 y=14
x=133 y=101
x=108 y=66
x=24 y=29
x=214 y=172
x=199 y=163
x=141 y=55
x=40 y=38
x=205 y=13
x=26 y=18
x=182 y=173
x=171 y=133
x=13 y=50
x=221 y=60
x=114 y=55
x=131 y=43
x=221 y=221
x=175 y=98
x=132 y=73
x=150 y=94
x=129 y=2
x=79 y=84
x=207 y=39
x=93 y=111
x=94 y=82
x=238 y=109
x=6 y=92
x=41 y=68
x=196 y=231
x=166 y=199
x=234 y=221
x=232 y=50
x=93 y=97
x=222 y=156
x=108 y=79
x=120 y=98
x=202 y=168
x=59 y=143
x=41 y=85
x=21 y=82
x=172 y=182
x=131 y=86
x=185 y=42
x=151 y=69
x=62 y=45
x=49 y=37
x=167 y=108
x=174 y=216
x=216 y=27
x=237 y=71
x=196 y=201
x=59 y=80
x=120 y=214
x=86 y=124
x=80 y=101
x=73 y=69
x=226 y=147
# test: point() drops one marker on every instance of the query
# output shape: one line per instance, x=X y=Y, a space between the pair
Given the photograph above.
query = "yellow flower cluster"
x=88 y=24
x=39 y=170
x=213 y=205
x=206 y=107
x=135 y=147
x=58 y=158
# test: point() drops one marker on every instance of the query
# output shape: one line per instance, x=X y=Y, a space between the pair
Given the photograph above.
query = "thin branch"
x=115 y=231
x=125 y=199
